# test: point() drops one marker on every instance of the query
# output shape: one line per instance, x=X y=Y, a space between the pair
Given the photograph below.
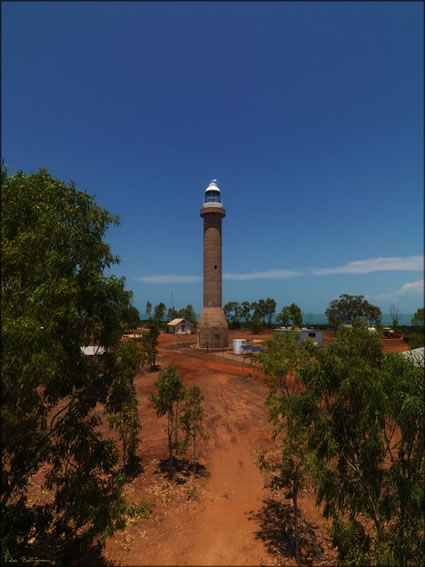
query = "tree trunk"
x=170 y=438
x=194 y=455
x=297 y=537
x=176 y=419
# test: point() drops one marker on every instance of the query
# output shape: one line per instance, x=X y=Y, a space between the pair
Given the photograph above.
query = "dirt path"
x=232 y=522
x=219 y=529
x=237 y=425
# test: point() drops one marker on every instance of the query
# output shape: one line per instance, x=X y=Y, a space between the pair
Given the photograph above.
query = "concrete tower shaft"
x=213 y=332
x=212 y=255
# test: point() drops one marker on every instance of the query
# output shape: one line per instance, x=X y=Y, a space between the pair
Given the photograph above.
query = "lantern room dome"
x=212 y=195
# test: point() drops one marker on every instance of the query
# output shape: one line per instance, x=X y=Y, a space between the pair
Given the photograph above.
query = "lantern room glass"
x=212 y=197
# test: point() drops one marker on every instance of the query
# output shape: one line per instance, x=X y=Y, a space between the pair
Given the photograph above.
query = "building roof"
x=417 y=355
x=212 y=186
x=177 y=321
x=93 y=350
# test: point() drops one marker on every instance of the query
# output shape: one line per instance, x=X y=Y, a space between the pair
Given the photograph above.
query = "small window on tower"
x=215 y=267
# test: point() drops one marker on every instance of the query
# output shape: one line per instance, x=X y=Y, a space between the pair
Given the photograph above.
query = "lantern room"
x=212 y=195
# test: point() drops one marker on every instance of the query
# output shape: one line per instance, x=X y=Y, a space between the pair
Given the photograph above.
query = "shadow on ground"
x=50 y=552
x=277 y=531
x=134 y=468
x=180 y=470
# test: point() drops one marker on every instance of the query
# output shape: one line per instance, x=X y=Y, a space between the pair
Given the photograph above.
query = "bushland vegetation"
x=55 y=300
x=184 y=410
x=257 y=314
x=416 y=332
x=187 y=313
x=347 y=308
x=349 y=420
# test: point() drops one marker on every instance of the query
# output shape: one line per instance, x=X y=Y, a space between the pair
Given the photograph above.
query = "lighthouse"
x=213 y=331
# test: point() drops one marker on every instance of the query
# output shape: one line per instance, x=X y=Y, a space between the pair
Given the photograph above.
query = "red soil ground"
x=225 y=516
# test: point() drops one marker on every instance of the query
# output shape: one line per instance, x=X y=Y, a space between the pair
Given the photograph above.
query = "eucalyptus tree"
x=188 y=313
x=295 y=315
x=395 y=315
x=283 y=316
x=232 y=311
x=288 y=462
x=347 y=308
x=192 y=419
x=418 y=318
x=170 y=392
x=55 y=300
x=159 y=312
x=365 y=416
x=150 y=343
x=270 y=310
x=122 y=406
x=245 y=311
x=172 y=314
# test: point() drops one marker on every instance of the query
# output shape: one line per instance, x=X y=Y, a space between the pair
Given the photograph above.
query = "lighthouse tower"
x=213 y=332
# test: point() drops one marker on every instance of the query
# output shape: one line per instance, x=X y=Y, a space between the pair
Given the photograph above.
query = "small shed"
x=180 y=327
x=305 y=333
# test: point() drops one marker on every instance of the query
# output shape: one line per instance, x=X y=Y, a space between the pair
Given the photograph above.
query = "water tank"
x=237 y=345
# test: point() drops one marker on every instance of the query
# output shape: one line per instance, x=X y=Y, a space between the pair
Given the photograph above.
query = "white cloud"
x=167 y=279
x=407 y=289
x=410 y=263
x=268 y=275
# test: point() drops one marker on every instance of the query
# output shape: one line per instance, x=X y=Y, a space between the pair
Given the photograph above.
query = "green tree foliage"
x=263 y=310
x=295 y=315
x=166 y=400
x=260 y=310
x=418 y=318
x=150 y=343
x=291 y=314
x=284 y=316
x=245 y=311
x=132 y=317
x=417 y=339
x=122 y=405
x=159 y=312
x=270 y=310
x=192 y=422
x=148 y=308
x=232 y=311
x=189 y=314
x=289 y=462
x=364 y=412
x=395 y=315
x=56 y=299
x=347 y=308
x=172 y=314
x=255 y=325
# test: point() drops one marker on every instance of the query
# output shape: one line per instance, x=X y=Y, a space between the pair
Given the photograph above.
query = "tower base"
x=213 y=331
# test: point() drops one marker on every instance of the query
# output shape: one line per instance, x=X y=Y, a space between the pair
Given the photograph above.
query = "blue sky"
x=310 y=115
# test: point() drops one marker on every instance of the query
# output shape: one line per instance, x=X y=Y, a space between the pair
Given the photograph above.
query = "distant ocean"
x=321 y=319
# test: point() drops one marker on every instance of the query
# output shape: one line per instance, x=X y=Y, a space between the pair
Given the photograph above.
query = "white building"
x=306 y=333
x=180 y=327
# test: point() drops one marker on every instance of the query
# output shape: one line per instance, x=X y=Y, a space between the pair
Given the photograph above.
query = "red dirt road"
x=225 y=516
x=217 y=530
